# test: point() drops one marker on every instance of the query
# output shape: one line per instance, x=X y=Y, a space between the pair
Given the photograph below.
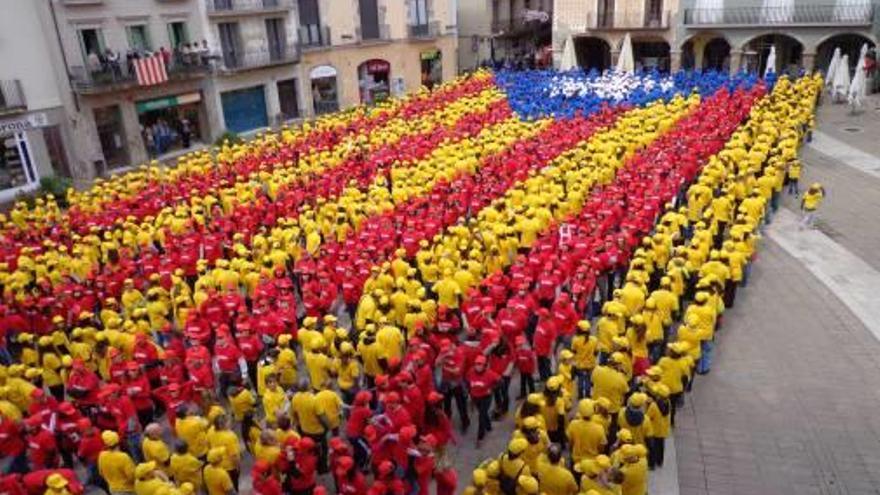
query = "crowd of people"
x=318 y=300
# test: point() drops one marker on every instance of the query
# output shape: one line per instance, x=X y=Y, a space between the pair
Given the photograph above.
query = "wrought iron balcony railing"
x=839 y=14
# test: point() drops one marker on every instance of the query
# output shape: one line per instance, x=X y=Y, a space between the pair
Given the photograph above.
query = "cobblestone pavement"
x=789 y=407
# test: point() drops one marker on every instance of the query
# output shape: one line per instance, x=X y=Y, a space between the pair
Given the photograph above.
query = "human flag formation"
x=151 y=70
x=345 y=305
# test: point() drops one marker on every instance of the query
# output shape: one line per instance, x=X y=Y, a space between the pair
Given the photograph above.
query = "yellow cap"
x=517 y=445
x=144 y=469
x=637 y=399
x=528 y=484
x=56 y=481
x=480 y=478
x=216 y=454
x=110 y=438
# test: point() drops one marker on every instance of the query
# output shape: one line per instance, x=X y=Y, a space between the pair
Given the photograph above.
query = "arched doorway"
x=432 y=67
x=650 y=54
x=593 y=53
x=789 y=52
x=325 y=94
x=374 y=80
x=849 y=44
x=688 y=55
x=716 y=54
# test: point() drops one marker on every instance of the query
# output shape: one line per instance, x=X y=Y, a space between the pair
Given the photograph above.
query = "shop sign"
x=168 y=101
x=25 y=123
x=431 y=54
x=322 y=71
x=377 y=66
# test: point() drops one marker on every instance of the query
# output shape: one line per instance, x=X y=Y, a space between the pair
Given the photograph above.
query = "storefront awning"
x=322 y=71
x=167 y=101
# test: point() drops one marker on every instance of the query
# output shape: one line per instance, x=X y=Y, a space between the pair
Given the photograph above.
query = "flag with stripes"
x=150 y=70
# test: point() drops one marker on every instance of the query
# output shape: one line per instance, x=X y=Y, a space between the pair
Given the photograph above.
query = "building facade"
x=673 y=34
x=81 y=94
x=493 y=32
x=362 y=51
x=35 y=132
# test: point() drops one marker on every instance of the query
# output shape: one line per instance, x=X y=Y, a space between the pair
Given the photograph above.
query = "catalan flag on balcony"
x=150 y=70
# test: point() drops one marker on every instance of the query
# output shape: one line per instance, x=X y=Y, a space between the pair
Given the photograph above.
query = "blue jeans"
x=584 y=383
x=706 y=349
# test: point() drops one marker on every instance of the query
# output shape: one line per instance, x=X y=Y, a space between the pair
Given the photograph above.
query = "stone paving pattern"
x=791 y=404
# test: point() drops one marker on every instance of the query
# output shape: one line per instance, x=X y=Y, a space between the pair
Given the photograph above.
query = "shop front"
x=432 y=67
x=325 y=91
x=170 y=123
x=374 y=80
x=245 y=109
x=31 y=147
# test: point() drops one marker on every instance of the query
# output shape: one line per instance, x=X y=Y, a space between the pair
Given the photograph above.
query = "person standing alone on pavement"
x=810 y=204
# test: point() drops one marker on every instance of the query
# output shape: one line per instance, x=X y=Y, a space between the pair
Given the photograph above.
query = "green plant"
x=228 y=136
x=56 y=186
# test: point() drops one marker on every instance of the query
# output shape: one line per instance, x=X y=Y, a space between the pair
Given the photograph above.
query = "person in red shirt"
x=501 y=361
x=42 y=449
x=264 y=481
x=349 y=479
x=228 y=360
x=358 y=419
x=299 y=461
x=526 y=365
x=137 y=386
x=544 y=339
x=452 y=368
x=12 y=444
x=82 y=385
x=481 y=381
x=89 y=448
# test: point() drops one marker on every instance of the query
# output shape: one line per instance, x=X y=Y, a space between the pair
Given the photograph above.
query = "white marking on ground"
x=839 y=150
x=853 y=281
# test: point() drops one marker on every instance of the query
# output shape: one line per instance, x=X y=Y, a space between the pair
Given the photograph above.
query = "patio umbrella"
x=771 y=61
x=856 y=92
x=841 y=79
x=832 y=67
x=625 y=62
x=569 y=60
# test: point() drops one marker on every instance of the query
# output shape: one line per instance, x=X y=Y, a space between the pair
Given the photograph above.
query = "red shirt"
x=481 y=384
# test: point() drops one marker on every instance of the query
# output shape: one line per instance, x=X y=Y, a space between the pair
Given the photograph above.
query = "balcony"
x=516 y=26
x=382 y=34
x=425 y=30
x=81 y=3
x=121 y=75
x=795 y=15
x=235 y=61
x=232 y=8
x=312 y=36
x=638 y=20
x=11 y=97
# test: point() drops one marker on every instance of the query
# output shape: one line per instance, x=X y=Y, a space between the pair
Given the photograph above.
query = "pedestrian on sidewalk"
x=794 y=175
x=810 y=204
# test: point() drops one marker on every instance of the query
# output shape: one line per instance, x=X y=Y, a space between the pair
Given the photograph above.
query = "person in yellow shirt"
x=193 y=430
x=659 y=411
x=634 y=470
x=553 y=476
x=274 y=400
x=328 y=405
x=813 y=198
x=217 y=479
x=149 y=480
x=585 y=435
x=185 y=467
x=794 y=176
x=448 y=291
x=609 y=381
x=348 y=372
x=154 y=448
x=114 y=465
x=634 y=419
x=57 y=485
x=584 y=347
x=222 y=436
x=243 y=404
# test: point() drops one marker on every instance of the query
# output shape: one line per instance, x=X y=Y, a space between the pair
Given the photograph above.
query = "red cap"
x=109 y=389
x=434 y=397
x=363 y=397
x=305 y=443
x=392 y=398
x=385 y=468
x=481 y=359
x=261 y=466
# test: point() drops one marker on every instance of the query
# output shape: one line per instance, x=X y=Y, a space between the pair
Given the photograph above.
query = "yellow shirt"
x=273 y=401
x=448 y=292
x=584 y=348
x=305 y=411
x=150 y=486
x=155 y=450
x=329 y=405
x=635 y=478
x=117 y=469
x=610 y=384
x=587 y=438
x=347 y=373
x=186 y=469
x=319 y=366
x=556 y=479
x=390 y=341
x=242 y=404
x=217 y=480
x=193 y=430
x=229 y=440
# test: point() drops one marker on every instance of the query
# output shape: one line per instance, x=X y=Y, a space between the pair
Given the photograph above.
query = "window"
x=287 y=97
x=177 y=34
x=91 y=42
x=111 y=135
x=419 y=12
x=275 y=37
x=16 y=168
x=369 y=11
x=230 y=44
x=138 y=39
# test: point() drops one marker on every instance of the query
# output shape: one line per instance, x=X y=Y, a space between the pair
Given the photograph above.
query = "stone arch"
x=849 y=43
x=593 y=52
x=789 y=51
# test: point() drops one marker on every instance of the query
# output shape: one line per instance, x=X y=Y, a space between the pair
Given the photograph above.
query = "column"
x=735 y=60
x=808 y=61
x=699 y=47
x=273 y=104
x=134 y=141
x=674 y=60
x=615 y=54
